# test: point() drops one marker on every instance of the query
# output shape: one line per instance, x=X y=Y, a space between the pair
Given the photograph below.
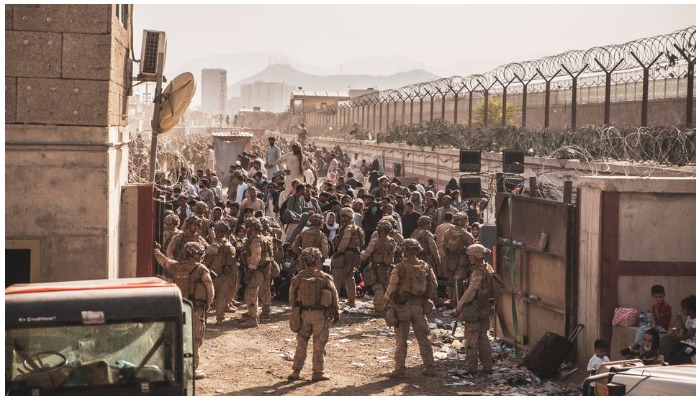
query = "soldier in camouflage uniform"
x=255 y=259
x=411 y=289
x=426 y=239
x=190 y=233
x=206 y=230
x=350 y=241
x=312 y=237
x=455 y=243
x=381 y=252
x=476 y=333
x=194 y=281
x=317 y=310
x=170 y=228
x=397 y=236
x=221 y=258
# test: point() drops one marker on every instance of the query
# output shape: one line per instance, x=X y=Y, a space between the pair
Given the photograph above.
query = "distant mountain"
x=291 y=76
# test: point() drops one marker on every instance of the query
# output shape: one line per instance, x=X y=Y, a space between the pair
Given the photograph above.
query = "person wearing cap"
x=318 y=309
x=220 y=256
x=350 y=240
x=454 y=246
x=476 y=338
x=312 y=237
x=380 y=251
x=272 y=154
x=193 y=279
x=411 y=289
x=190 y=233
x=383 y=189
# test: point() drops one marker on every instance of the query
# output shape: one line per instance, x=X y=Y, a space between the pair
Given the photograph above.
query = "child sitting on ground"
x=650 y=352
x=599 y=357
x=660 y=319
x=684 y=351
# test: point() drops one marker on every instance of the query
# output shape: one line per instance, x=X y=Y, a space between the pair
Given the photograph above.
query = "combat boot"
x=319 y=377
x=265 y=312
x=250 y=323
x=429 y=371
x=199 y=374
x=295 y=375
x=397 y=373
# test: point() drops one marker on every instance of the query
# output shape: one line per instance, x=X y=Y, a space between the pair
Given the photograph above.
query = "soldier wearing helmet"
x=349 y=241
x=272 y=236
x=429 y=253
x=455 y=262
x=206 y=229
x=318 y=309
x=476 y=338
x=380 y=252
x=170 y=228
x=312 y=237
x=221 y=258
x=255 y=258
x=190 y=233
x=195 y=283
x=411 y=289
x=397 y=236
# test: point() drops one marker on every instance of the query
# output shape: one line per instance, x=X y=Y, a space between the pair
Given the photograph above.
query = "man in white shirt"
x=273 y=154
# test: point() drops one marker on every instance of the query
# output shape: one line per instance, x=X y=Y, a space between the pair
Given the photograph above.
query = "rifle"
x=454 y=327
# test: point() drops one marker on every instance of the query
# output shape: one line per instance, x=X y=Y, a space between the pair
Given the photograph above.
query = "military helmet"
x=221 y=226
x=200 y=206
x=347 y=212
x=460 y=218
x=172 y=220
x=253 y=223
x=316 y=219
x=478 y=250
x=384 y=226
x=311 y=255
x=412 y=245
x=390 y=220
x=193 y=248
x=424 y=220
x=193 y=220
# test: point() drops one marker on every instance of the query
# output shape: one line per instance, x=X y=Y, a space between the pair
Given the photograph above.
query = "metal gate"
x=535 y=257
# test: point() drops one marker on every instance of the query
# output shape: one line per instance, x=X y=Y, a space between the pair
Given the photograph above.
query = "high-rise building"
x=214 y=91
x=269 y=96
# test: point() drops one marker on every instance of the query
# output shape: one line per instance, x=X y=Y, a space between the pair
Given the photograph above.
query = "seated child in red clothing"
x=660 y=320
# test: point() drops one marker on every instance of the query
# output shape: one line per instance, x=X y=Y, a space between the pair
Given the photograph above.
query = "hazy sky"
x=442 y=37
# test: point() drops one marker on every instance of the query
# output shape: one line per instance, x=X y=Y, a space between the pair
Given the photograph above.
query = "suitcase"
x=549 y=352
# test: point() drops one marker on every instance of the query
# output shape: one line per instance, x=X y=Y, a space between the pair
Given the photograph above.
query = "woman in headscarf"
x=330 y=228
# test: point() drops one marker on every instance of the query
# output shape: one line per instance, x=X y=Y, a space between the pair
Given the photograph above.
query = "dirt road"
x=256 y=362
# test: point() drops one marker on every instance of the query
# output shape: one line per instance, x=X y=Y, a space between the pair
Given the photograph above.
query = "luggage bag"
x=549 y=352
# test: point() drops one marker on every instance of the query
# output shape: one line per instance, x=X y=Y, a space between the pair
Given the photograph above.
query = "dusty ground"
x=256 y=362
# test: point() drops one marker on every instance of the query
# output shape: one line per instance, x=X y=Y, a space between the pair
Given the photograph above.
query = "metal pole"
x=155 y=122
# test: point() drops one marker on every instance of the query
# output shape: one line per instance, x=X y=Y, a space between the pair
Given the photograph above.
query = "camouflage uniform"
x=426 y=239
x=350 y=241
x=312 y=237
x=381 y=252
x=206 y=230
x=257 y=252
x=455 y=263
x=411 y=306
x=476 y=333
x=170 y=228
x=221 y=258
x=315 y=319
x=199 y=287
x=176 y=247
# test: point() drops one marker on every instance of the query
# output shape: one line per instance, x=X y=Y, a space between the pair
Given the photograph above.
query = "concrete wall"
x=67 y=77
x=634 y=233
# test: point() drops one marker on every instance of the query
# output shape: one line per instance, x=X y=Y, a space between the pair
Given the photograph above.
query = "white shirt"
x=595 y=362
x=309 y=176
x=690 y=324
x=240 y=190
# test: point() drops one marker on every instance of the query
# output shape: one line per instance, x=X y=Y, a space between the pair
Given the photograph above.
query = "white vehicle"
x=636 y=379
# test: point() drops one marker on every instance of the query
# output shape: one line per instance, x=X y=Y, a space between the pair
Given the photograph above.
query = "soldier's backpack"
x=184 y=276
x=417 y=280
x=453 y=241
x=494 y=285
x=309 y=293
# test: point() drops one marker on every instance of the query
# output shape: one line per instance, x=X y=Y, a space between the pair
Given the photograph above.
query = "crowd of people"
x=407 y=246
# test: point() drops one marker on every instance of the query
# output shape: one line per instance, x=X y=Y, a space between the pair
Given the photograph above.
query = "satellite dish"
x=176 y=98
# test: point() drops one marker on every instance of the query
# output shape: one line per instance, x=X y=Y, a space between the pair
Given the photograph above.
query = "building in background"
x=214 y=91
x=269 y=96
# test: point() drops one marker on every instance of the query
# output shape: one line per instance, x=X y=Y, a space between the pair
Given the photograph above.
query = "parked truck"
x=115 y=337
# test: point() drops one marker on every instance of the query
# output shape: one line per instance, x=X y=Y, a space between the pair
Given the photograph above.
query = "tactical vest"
x=179 y=251
x=311 y=286
x=224 y=256
x=266 y=252
x=456 y=240
x=186 y=279
x=312 y=238
x=413 y=278
x=357 y=240
x=421 y=235
x=384 y=250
